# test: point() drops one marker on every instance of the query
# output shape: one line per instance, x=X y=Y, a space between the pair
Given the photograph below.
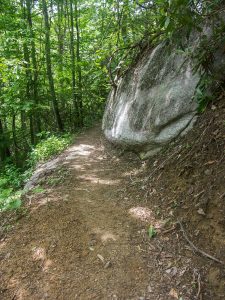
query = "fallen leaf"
x=210 y=162
x=173 y=293
x=201 y=212
x=172 y=271
x=101 y=257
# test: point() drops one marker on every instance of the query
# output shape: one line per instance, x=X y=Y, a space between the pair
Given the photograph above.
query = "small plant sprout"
x=152 y=231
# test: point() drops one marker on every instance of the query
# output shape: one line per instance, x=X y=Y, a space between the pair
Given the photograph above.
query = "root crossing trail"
x=78 y=240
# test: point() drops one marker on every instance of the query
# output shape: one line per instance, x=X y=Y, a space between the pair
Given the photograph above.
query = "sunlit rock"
x=153 y=103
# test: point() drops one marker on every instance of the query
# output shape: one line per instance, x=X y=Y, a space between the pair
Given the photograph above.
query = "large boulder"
x=153 y=103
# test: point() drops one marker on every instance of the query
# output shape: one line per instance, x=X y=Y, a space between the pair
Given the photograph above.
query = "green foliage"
x=9 y=200
x=52 y=146
x=202 y=95
x=12 y=178
x=10 y=182
x=38 y=190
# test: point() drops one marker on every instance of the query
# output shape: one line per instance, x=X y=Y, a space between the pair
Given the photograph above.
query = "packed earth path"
x=83 y=237
x=77 y=242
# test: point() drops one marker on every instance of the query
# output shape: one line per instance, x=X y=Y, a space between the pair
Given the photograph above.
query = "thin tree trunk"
x=49 y=67
x=118 y=17
x=32 y=136
x=16 y=153
x=4 y=149
x=28 y=77
x=34 y=82
x=78 y=58
x=24 y=130
x=60 y=32
x=73 y=69
x=124 y=22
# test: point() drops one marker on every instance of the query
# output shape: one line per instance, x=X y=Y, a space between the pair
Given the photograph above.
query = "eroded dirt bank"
x=85 y=236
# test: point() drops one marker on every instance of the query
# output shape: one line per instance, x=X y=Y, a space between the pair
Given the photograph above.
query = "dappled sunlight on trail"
x=81 y=150
x=105 y=235
x=78 y=240
x=141 y=213
x=95 y=179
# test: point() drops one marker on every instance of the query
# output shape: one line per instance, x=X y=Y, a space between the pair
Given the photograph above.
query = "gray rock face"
x=153 y=103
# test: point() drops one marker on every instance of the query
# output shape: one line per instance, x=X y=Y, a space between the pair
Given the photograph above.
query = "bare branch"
x=196 y=248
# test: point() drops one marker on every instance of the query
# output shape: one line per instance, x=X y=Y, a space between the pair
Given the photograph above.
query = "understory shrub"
x=48 y=148
x=12 y=179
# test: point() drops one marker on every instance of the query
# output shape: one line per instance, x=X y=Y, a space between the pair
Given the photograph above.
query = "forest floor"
x=87 y=232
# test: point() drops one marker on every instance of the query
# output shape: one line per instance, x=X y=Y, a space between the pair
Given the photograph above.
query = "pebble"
x=208 y=172
x=108 y=265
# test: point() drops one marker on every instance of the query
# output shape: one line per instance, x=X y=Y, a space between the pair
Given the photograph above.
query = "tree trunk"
x=49 y=67
x=4 y=149
x=16 y=152
x=78 y=58
x=27 y=68
x=61 y=32
x=34 y=81
x=73 y=70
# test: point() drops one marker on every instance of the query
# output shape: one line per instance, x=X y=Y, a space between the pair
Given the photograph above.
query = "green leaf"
x=152 y=232
x=38 y=190
x=167 y=22
x=14 y=204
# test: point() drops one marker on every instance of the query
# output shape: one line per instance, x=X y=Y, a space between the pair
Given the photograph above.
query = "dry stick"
x=197 y=249
x=169 y=230
x=199 y=287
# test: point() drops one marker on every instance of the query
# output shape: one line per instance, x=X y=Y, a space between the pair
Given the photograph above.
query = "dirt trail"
x=86 y=235
x=57 y=251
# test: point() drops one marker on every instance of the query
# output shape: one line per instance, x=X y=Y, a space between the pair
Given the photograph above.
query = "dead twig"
x=169 y=230
x=199 y=294
x=196 y=248
x=199 y=194
x=221 y=196
x=197 y=281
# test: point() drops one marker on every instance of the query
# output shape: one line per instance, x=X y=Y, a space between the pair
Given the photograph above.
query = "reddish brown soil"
x=86 y=235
